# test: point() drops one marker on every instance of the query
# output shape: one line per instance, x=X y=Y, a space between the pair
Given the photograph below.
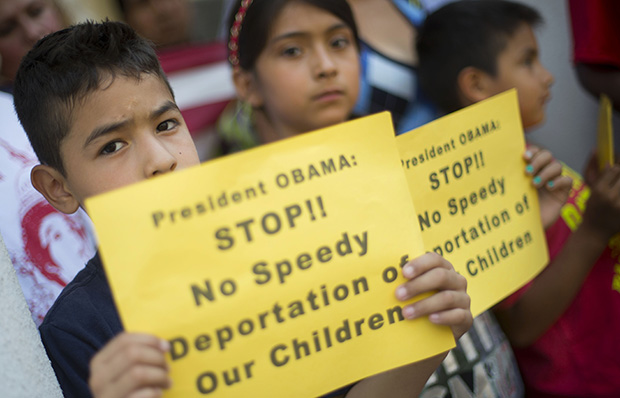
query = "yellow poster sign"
x=475 y=205
x=605 y=136
x=272 y=272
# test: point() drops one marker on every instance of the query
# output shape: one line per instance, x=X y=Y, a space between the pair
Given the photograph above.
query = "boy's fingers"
x=611 y=176
x=126 y=340
x=143 y=377
x=139 y=381
x=134 y=356
x=127 y=354
x=147 y=393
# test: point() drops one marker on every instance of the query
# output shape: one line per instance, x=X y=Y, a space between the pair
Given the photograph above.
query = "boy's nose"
x=548 y=78
x=158 y=159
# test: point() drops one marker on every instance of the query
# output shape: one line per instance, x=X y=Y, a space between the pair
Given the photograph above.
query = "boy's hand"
x=592 y=171
x=130 y=366
x=602 y=215
x=449 y=305
x=553 y=187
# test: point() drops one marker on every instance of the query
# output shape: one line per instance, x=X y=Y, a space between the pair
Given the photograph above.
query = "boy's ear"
x=247 y=89
x=474 y=85
x=52 y=185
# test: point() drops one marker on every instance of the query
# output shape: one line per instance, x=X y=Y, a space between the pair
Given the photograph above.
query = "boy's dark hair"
x=463 y=34
x=65 y=67
x=259 y=18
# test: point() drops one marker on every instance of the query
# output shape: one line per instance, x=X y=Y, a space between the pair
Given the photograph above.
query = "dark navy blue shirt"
x=81 y=321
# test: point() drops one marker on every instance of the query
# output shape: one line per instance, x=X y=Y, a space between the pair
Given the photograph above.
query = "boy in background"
x=563 y=324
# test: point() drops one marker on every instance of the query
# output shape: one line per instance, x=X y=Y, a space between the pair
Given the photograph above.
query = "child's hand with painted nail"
x=553 y=187
x=130 y=365
x=449 y=303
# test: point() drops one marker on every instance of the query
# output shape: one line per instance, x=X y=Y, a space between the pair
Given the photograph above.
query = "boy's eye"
x=111 y=147
x=167 y=125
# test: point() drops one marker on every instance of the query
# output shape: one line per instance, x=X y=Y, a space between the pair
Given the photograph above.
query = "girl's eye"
x=111 y=147
x=340 y=42
x=291 y=51
x=167 y=125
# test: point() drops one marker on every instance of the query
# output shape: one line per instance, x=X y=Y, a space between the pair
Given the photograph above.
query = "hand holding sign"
x=553 y=187
x=114 y=369
x=476 y=207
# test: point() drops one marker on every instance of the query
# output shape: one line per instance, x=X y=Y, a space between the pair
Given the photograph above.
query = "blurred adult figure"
x=22 y=23
x=47 y=248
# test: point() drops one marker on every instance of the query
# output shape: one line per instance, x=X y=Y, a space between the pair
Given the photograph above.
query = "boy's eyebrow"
x=167 y=106
x=301 y=33
x=109 y=128
x=103 y=130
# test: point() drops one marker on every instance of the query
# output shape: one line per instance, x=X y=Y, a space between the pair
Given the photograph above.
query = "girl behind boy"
x=296 y=63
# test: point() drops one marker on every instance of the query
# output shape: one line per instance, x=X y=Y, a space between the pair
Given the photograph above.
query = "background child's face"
x=123 y=133
x=307 y=76
x=164 y=22
x=22 y=23
x=518 y=66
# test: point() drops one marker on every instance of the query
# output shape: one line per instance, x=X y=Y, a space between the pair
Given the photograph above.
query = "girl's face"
x=307 y=76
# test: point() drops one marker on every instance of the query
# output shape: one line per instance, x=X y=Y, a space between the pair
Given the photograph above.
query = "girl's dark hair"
x=259 y=18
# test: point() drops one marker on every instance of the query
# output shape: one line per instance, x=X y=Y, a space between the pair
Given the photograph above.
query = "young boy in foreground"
x=100 y=115
x=562 y=324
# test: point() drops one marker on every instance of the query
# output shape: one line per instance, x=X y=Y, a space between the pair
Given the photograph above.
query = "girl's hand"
x=553 y=187
x=449 y=303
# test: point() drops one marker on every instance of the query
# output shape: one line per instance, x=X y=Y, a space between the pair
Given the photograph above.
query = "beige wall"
x=80 y=10
x=25 y=370
x=206 y=17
